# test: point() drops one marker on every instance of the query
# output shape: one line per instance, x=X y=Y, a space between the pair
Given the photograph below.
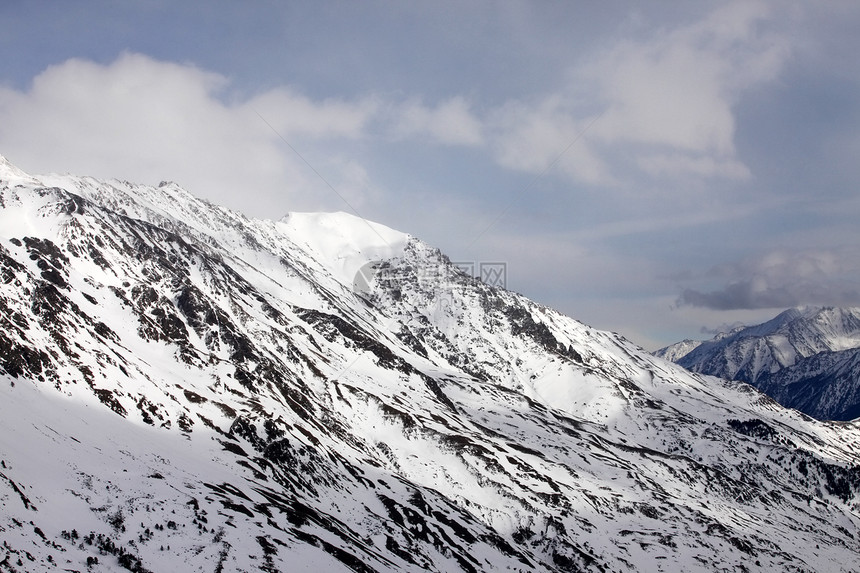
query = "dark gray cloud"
x=782 y=279
x=722 y=328
x=739 y=296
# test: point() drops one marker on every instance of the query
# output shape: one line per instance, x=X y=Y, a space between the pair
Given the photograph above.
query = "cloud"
x=722 y=328
x=747 y=294
x=781 y=279
x=451 y=122
x=143 y=119
x=677 y=165
x=139 y=118
x=294 y=114
x=660 y=105
x=531 y=136
x=678 y=87
x=664 y=103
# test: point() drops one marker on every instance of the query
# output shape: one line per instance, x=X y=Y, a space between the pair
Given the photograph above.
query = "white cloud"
x=145 y=120
x=451 y=122
x=662 y=105
x=678 y=88
x=676 y=165
x=673 y=91
x=294 y=114
x=142 y=119
x=531 y=136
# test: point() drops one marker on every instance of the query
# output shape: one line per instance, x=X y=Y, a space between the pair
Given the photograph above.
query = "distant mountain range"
x=183 y=388
x=806 y=358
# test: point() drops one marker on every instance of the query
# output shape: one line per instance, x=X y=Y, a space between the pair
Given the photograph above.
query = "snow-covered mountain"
x=805 y=358
x=675 y=352
x=184 y=388
x=825 y=385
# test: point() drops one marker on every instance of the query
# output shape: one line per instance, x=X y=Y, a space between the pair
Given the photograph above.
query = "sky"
x=660 y=169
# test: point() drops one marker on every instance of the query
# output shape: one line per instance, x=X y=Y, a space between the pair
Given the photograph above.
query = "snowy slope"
x=185 y=388
x=805 y=358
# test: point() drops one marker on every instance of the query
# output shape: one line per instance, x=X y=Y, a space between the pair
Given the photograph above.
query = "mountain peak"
x=11 y=173
x=344 y=242
x=346 y=224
